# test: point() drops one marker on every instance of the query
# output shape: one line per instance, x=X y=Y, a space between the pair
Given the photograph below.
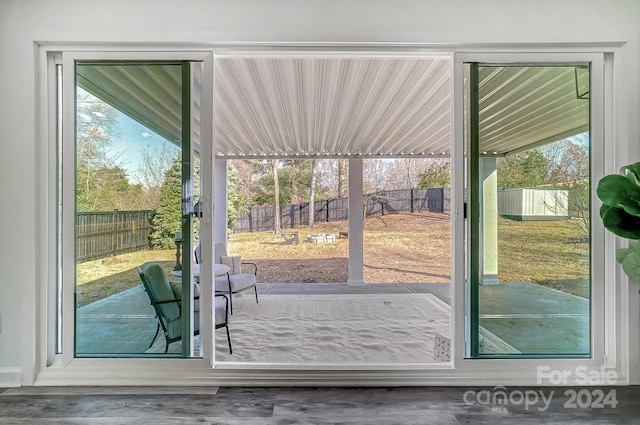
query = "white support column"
x=489 y=217
x=220 y=201
x=356 y=224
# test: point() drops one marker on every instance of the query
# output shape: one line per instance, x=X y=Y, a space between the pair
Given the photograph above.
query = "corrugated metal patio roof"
x=348 y=106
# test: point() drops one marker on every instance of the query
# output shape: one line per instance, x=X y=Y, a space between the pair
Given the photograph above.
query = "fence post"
x=428 y=199
x=411 y=197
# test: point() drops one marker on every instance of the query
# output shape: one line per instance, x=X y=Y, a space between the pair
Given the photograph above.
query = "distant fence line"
x=102 y=234
x=259 y=219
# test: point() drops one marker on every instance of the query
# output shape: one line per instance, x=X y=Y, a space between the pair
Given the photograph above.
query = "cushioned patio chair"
x=221 y=303
x=235 y=280
x=166 y=300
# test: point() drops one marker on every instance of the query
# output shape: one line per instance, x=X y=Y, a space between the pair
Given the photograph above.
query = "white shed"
x=533 y=204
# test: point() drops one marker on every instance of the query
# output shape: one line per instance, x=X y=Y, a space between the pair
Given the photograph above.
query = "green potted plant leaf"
x=620 y=213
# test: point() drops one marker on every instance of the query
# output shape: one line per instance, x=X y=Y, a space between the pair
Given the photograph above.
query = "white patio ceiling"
x=149 y=94
x=348 y=106
x=332 y=106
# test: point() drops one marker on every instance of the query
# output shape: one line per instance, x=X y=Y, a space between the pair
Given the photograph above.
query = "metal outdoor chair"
x=166 y=302
x=235 y=280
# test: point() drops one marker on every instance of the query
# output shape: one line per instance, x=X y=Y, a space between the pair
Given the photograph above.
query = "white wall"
x=460 y=22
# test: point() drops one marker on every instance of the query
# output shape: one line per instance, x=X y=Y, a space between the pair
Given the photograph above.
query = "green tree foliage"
x=107 y=189
x=436 y=174
x=264 y=190
x=295 y=181
x=526 y=169
x=236 y=202
x=166 y=218
x=167 y=215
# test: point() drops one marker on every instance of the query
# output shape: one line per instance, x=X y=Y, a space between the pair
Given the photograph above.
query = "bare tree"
x=152 y=171
x=327 y=171
x=342 y=178
x=405 y=173
x=276 y=194
x=375 y=173
x=567 y=161
x=248 y=171
x=312 y=193
x=568 y=167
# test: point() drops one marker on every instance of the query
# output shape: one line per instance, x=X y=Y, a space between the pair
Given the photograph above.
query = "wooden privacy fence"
x=101 y=234
x=259 y=219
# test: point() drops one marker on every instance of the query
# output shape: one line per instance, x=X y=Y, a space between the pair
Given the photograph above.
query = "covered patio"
x=365 y=106
x=287 y=105
x=124 y=324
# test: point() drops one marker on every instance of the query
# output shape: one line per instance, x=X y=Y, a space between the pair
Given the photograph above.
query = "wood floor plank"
x=314 y=406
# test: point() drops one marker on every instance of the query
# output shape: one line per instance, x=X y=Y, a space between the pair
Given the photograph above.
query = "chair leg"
x=228 y=338
x=155 y=336
x=230 y=304
x=255 y=289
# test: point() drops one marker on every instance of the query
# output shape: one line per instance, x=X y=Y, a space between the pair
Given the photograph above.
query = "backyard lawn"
x=402 y=248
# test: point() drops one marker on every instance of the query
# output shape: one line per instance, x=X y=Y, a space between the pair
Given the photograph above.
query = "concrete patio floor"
x=520 y=317
x=535 y=319
x=125 y=323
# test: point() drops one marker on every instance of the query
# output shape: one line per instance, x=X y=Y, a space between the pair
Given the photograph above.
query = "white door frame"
x=612 y=350
x=603 y=348
x=69 y=60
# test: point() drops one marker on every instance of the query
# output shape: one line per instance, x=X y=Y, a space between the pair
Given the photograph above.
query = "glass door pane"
x=136 y=184
x=528 y=138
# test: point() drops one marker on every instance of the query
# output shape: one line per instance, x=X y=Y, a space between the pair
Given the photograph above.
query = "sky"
x=131 y=141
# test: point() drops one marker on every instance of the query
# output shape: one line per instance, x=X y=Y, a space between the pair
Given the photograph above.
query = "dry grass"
x=403 y=248
x=550 y=253
x=408 y=248
x=100 y=278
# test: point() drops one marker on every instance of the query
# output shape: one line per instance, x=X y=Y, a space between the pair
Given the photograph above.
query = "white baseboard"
x=116 y=373
x=10 y=377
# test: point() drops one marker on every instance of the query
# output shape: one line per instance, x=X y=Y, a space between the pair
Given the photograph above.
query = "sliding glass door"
x=131 y=185
x=529 y=153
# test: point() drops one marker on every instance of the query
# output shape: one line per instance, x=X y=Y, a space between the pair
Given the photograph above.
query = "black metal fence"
x=259 y=219
x=101 y=234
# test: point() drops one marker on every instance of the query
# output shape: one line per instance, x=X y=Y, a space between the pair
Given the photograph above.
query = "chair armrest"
x=177 y=300
x=168 y=301
x=255 y=266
